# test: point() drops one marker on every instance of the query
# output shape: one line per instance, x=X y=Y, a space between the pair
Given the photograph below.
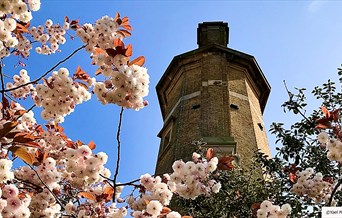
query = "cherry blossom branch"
x=131 y=183
x=51 y=192
x=28 y=110
x=334 y=191
x=118 y=150
x=29 y=184
x=46 y=73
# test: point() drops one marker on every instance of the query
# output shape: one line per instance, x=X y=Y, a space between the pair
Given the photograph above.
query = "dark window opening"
x=260 y=126
x=167 y=139
x=196 y=106
x=234 y=106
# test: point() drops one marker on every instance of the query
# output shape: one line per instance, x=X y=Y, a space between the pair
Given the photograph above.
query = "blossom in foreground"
x=268 y=210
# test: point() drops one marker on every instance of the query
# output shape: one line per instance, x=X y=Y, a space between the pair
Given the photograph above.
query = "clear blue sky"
x=296 y=41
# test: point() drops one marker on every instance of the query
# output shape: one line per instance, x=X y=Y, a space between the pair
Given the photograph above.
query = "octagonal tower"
x=212 y=93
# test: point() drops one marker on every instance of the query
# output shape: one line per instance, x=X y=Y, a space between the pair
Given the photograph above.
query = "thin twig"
x=299 y=111
x=51 y=192
x=30 y=109
x=29 y=184
x=118 y=150
x=136 y=180
x=46 y=73
x=334 y=191
x=2 y=87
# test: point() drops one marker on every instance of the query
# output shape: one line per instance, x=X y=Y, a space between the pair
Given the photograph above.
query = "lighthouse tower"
x=213 y=93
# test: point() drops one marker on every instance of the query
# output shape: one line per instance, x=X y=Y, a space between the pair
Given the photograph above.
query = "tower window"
x=167 y=139
x=260 y=126
x=196 y=106
x=234 y=106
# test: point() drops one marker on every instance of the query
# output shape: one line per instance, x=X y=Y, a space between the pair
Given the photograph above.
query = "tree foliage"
x=273 y=178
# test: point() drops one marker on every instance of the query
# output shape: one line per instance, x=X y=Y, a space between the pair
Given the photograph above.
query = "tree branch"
x=47 y=187
x=28 y=110
x=2 y=88
x=299 y=111
x=118 y=150
x=334 y=191
x=46 y=73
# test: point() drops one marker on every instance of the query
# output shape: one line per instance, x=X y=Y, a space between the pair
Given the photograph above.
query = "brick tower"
x=212 y=93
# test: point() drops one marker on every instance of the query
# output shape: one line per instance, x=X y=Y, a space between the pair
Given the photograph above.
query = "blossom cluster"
x=189 y=180
x=59 y=95
x=126 y=85
x=334 y=146
x=97 y=207
x=312 y=185
x=268 y=210
x=18 y=11
x=83 y=169
x=13 y=203
x=21 y=79
x=49 y=33
x=5 y=170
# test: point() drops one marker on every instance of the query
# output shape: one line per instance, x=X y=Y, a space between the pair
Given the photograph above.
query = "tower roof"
x=236 y=57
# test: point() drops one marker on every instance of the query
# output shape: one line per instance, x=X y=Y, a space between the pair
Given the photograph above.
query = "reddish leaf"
x=124 y=33
x=292 y=177
x=7 y=127
x=79 y=143
x=23 y=154
x=50 y=85
x=81 y=74
x=124 y=20
x=87 y=195
x=74 y=25
x=46 y=155
x=335 y=115
x=66 y=19
x=321 y=126
x=5 y=103
x=20 y=112
x=59 y=128
x=11 y=135
x=117 y=17
x=111 y=52
x=324 y=122
x=21 y=28
x=126 y=26
x=99 y=51
x=118 y=43
x=328 y=179
x=227 y=163
x=138 y=61
x=108 y=190
x=255 y=208
x=165 y=210
x=24 y=137
x=186 y=216
x=325 y=111
x=12 y=105
x=91 y=145
x=210 y=154
x=129 y=51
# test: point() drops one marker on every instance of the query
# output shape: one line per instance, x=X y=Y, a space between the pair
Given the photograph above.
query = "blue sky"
x=296 y=41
